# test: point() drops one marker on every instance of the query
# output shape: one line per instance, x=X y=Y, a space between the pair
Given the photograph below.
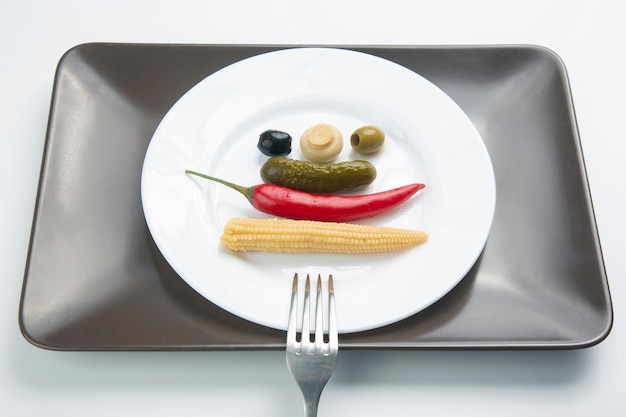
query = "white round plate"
x=214 y=128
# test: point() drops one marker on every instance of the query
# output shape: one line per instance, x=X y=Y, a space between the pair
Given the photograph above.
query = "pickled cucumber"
x=318 y=178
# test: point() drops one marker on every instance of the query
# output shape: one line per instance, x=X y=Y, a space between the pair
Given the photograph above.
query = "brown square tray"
x=95 y=280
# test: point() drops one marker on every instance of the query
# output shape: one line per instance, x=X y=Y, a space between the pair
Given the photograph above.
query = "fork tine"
x=319 y=320
x=306 y=321
x=333 y=337
x=293 y=312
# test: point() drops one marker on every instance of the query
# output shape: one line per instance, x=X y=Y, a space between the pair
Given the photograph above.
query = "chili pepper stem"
x=246 y=191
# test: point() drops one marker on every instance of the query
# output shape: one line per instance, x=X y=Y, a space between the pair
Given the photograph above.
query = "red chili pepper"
x=299 y=205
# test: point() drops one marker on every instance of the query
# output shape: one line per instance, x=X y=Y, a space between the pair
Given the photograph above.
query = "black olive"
x=274 y=143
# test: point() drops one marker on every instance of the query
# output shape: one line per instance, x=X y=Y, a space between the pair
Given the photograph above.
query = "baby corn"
x=284 y=235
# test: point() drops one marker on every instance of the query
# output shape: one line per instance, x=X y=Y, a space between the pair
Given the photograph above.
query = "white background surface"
x=588 y=35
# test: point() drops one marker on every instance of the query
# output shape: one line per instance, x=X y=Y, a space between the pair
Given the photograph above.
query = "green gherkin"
x=318 y=178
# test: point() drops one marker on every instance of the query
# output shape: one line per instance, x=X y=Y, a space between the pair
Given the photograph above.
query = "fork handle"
x=311 y=401
x=310 y=408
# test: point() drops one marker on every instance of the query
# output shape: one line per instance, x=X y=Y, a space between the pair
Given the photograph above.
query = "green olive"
x=367 y=139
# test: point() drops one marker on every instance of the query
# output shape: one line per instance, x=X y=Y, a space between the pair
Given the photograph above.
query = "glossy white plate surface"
x=214 y=128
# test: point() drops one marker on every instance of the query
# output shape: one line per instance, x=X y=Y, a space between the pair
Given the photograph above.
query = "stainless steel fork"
x=312 y=361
